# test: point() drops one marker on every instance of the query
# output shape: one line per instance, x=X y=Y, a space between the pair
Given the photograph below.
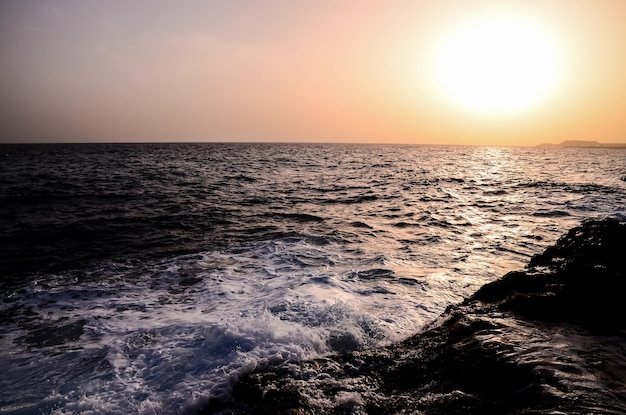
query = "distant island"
x=582 y=144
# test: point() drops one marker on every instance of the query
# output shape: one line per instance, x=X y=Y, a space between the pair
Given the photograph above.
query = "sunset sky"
x=421 y=71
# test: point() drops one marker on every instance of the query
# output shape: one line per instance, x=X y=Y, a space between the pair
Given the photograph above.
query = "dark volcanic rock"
x=548 y=340
x=581 y=280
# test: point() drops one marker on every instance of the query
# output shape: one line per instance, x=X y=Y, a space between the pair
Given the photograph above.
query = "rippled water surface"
x=145 y=278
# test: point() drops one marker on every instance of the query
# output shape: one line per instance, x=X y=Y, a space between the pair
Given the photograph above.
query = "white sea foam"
x=159 y=336
x=164 y=335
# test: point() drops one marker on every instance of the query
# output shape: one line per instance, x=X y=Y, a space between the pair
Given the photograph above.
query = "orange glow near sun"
x=480 y=72
x=498 y=65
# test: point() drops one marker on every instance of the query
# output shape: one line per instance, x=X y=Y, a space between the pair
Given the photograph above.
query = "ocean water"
x=145 y=278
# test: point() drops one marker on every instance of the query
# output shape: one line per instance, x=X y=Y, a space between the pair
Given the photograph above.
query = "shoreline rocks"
x=549 y=339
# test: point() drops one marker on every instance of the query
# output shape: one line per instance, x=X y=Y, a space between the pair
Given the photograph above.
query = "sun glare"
x=498 y=65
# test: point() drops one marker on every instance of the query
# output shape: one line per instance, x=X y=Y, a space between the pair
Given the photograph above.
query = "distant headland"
x=582 y=144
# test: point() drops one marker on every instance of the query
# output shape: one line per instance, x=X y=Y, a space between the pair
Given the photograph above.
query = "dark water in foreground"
x=140 y=278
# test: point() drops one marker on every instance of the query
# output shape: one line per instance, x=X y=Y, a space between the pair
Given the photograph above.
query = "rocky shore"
x=550 y=339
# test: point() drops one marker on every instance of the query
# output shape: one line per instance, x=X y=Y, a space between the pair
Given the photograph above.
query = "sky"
x=421 y=71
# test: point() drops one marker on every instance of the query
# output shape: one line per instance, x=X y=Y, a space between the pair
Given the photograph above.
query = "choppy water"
x=146 y=278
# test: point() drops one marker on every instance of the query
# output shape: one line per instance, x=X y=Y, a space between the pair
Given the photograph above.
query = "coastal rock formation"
x=582 y=144
x=546 y=340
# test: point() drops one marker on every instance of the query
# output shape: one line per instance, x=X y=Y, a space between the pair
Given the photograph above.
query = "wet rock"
x=580 y=280
x=549 y=339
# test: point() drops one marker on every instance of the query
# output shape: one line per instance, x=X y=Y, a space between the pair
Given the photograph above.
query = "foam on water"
x=159 y=336
x=291 y=258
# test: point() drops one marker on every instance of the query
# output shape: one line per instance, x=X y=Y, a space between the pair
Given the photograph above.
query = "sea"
x=147 y=278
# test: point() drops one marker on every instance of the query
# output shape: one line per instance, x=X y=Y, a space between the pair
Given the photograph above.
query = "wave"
x=171 y=271
x=521 y=344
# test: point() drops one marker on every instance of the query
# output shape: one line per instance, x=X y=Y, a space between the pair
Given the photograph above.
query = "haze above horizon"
x=427 y=72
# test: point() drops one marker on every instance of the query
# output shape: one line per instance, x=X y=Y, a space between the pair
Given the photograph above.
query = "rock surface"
x=550 y=339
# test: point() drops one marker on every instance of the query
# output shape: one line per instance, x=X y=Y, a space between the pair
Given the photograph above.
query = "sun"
x=498 y=65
